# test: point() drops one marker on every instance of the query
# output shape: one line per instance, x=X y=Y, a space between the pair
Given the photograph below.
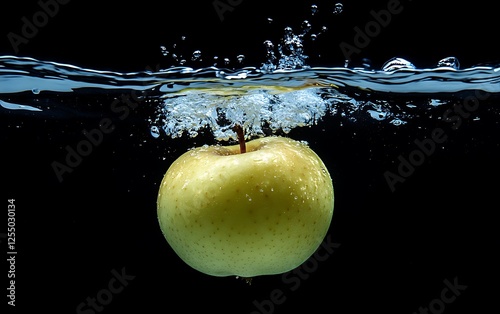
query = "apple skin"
x=259 y=213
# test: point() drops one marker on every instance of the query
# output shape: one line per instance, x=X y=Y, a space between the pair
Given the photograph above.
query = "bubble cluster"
x=259 y=112
x=164 y=51
x=268 y=111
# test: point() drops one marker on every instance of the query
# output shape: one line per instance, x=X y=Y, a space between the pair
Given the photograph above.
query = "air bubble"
x=436 y=102
x=449 y=62
x=240 y=58
x=396 y=64
x=155 y=131
x=196 y=55
x=397 y=122
x=377 y=115
x=367 y=63
x=339 y=7
x=269 y=45
x=314 y=9
x=306 y=26
x=35 y=91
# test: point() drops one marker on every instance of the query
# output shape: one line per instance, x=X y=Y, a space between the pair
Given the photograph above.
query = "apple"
x=261 y=212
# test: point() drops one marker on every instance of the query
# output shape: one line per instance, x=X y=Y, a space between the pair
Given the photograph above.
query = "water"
x=413 y=153
x=398 y=136
x=188 y=100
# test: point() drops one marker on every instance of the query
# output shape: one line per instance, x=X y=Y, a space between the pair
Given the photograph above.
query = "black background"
x=396 y=249
x=127 y=36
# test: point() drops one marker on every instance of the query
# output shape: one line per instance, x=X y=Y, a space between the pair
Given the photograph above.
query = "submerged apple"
x=261 y=212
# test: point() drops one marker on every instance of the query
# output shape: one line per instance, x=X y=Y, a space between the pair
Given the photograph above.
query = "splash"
x=282 y=94
x=285 y=93
x=263 y=110
x=266 y=103
x=189 y=101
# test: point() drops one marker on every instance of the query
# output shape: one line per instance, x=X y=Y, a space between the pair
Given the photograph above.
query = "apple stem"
x=241 y=138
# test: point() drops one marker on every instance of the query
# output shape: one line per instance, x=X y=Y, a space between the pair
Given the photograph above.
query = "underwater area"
x=399 y=98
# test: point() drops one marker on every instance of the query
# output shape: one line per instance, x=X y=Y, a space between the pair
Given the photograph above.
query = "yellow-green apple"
x=246 y=214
